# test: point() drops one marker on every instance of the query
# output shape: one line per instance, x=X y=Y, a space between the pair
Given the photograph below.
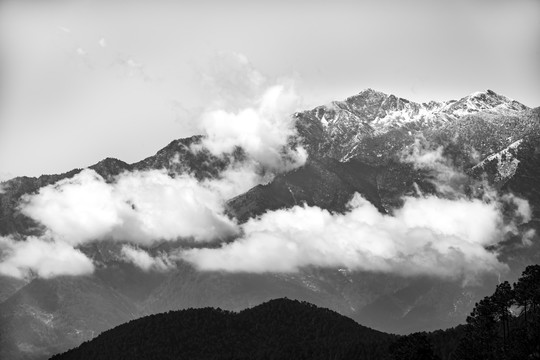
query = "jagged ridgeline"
x=354 y=146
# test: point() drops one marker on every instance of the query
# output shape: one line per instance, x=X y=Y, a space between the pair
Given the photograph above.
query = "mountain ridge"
x=489 y=100
x=339 y=164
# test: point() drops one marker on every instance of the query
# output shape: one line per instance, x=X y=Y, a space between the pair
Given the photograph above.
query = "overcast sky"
x=82 y=80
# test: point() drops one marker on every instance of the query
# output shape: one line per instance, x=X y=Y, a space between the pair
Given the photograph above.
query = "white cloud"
x=448 y=180
x=149 y=206
x=141 y=207
x=528 y=236
x=144 y=260
x=41 y=257
x=237 y=179
x=75 y=210
x=249 y=112
x=138 y=207
x=522 y=211
x=452 y=182
x=427 y=236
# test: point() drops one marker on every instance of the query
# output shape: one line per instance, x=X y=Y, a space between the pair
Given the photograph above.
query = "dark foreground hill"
x=278 y=329
x=503 y=326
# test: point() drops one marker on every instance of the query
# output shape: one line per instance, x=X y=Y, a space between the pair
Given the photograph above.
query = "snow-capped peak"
x=372 y=112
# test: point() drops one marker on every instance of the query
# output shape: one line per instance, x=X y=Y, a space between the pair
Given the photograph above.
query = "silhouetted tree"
x=492 y=332
x=527 y=297
x=415 y=346
x=503 y=299
x=481 y=334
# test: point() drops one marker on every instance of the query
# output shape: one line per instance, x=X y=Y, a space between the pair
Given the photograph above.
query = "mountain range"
x=354 y=146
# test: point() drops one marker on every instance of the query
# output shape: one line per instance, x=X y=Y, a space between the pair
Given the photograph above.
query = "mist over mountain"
x=397 y=214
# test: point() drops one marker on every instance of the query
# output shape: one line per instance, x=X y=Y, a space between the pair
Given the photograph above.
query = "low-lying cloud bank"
x=427 y=236
x=450 y=234
x=140 y=207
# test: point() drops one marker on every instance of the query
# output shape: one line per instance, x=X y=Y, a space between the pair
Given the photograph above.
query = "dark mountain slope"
x=329 y=288
x=326 y=183
x=48 y=316
x=9 y=285
x=11 y=220
x=504 y=325
x=181 y=156
x=278 y=329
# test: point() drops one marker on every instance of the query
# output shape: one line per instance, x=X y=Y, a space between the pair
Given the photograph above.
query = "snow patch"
x=507 y=162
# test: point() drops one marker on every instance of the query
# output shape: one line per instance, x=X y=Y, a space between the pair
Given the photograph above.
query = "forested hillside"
x=278 y=329
x=505 y=325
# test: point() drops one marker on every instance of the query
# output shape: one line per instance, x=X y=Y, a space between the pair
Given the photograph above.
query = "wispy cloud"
x=144 y=260
x=448 y=180
x=250 y=112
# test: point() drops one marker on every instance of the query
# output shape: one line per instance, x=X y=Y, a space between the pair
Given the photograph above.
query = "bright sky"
x=82 y=80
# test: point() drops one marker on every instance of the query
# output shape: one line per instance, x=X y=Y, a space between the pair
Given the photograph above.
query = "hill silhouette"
x=278 y=329
x=505 y=325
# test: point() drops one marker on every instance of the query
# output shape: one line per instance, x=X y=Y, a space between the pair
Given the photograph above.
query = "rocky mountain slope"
x=339 y=129
x=355 y=145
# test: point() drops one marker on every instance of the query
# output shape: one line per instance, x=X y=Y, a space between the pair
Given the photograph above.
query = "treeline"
x=503 y=326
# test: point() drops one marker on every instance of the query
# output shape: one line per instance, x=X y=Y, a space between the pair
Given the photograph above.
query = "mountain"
x=278 y=329
x=326 y=183
x=44 y=316
x=354 y=146
x=176 y=157
x=339 y=128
